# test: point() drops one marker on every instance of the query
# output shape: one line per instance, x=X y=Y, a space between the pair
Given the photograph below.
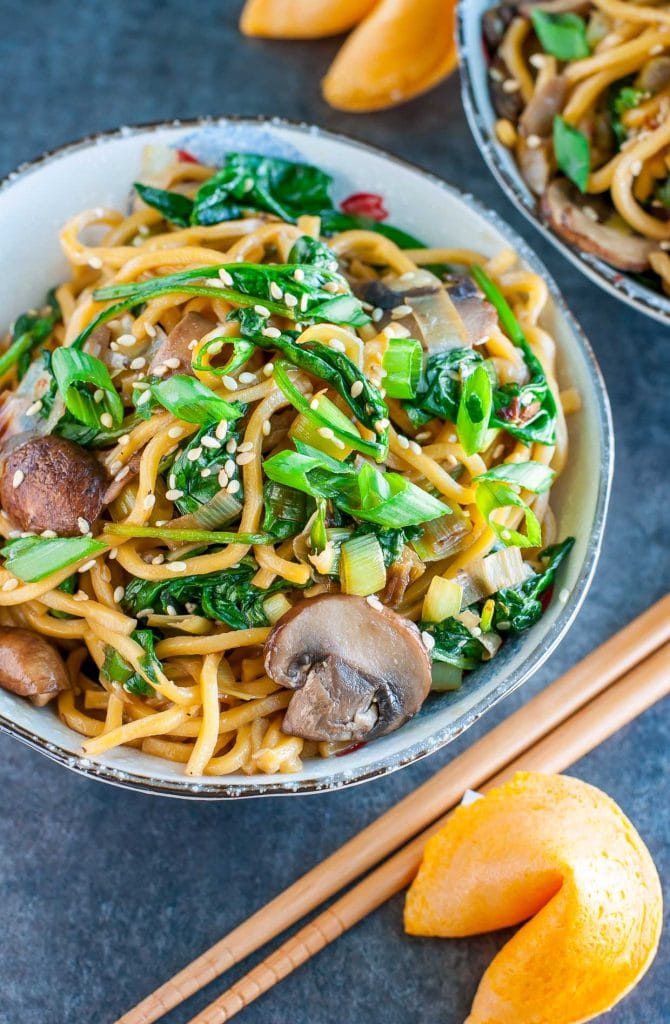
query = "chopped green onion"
x=402 y=361
x=442 y=537
x=190 y=400
x=275 y=606
x=573 y=152
x=445 y=677
x=81 y=379
x=534 y=476
x=443 y=598
x=362 y=569
x=562 y=34
x=492 y=495
x=188 y=536
x=318 y=535
x=28 y=331
x=34 y=558
x=311 y=431
x=242 y=350
x=474 y=410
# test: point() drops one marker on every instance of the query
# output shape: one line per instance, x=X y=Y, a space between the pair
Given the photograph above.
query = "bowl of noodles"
x=569 y=103
x=305 y=463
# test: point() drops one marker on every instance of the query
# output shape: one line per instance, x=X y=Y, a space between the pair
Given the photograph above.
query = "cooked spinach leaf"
x=116 y=669
x=174 y=206
x=28 y=331
x=454 y=643
x=286 y=510
x=518 y=608
x=195 y=471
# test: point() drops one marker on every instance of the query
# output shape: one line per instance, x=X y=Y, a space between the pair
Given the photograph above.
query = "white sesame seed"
x=453 y=438
x=151 y=330
x=533 y=141
x=13 y=534
x=267 y=427
x=314 y=404
x=326 y=432
x=115 y=467
x=233 y=487
x=505 y=534
x=113 y=552
x=145 y=613
x=210 y=442
x=176 y=566
x=106 y=420
x=537 y=60
x=374 y=602
x=271 y=332
x=231 y=446
x=175 y=432
x=124 y=439
x=158 y=559
x=356 y=388
x=81 y=595
x=223 y=478
x=18 y=478
x=50 y=534
x=428 y=640
x=246 y=446
x=27 y=533
x=510 y=85
x=138 y=364
x=414 y=447
x=563 y=595
x=261 y=310
x=214 y=282
x=268 y=369
x=476 y=631
x=143 y=399
x=337 y=345
x=275 y=291
x=245 y=458
x=636 y=168
x=221 y=429
x=290 y=300
x=331 y=286
x=87 y=566
x=381 y=425
x=33 y=409
x=304 y=302
x=229 y=467
x=338 y=443
x=589 y=212
x=105 y=574
x=162 y=522
x=95 y=262
x=173 y=363
x=665 y=246
x=496 y=74
x=377 y=314
x=423 y=435
x=229 y=383
x=247 y=378
x=170 y=609
x=403 y=441
x=204 y=473
x=402 y=310
x=299 y=275
x=226 y=277
x=214 y=349
x=122 y=473
x=194 y=454
x=119 y=594
x=10 y=584
x=149 y=502
x=126 y=340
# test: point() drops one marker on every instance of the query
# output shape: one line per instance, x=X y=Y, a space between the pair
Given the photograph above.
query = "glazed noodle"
x=225 y=419
x=583 y=97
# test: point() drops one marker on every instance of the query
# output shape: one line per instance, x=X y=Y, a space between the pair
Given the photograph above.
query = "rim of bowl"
x=617 y=282
x=340 y=779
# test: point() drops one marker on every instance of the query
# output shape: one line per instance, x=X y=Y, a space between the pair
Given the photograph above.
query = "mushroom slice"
x=477 y=313
x=192 y=326
x=50 y=483
x=30 y=666
x=546 y=102
x=566 y=213
x=359 y=669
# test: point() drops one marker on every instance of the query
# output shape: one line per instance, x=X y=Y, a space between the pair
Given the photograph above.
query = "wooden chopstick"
x=415 y=812
x=647 y=683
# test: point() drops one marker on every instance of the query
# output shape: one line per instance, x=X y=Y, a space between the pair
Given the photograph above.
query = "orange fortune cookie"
x=302 y=19
x=559 y=854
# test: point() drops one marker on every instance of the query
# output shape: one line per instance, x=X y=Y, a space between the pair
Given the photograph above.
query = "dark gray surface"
x=105 y=893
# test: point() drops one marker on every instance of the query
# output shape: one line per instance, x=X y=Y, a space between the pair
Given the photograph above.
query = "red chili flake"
x=350 y=750
x=546 y=596
x=365 y=204
x=186 y=157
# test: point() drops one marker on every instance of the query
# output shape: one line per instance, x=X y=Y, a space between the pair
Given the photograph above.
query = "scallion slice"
x=86 y=387
x=474 y=410
x=34 y=558
x=192 y=401
x=402 y=361
x=188 y=536
x=362 y=569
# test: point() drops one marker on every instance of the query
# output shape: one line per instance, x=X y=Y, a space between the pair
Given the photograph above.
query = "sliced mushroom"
x=115 y=486
x=359 y=670
x=495 y=22
x=30 y=666
x=191 y=327
x=564 y=210
x=18 y=411
x=49 y=483
x=400 y=575
x=546 y=102
x=97 y=343
x=506 y=104
x=476 y=312
x=535 y=164
x=655 y=75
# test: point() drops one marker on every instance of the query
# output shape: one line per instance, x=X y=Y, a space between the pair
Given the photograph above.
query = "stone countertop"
x=106 y=893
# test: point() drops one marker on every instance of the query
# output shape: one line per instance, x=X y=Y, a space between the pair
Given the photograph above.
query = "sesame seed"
x=194 y=454
x=245 y=458
x=453 y=438
x=496 y=74
x=213 y=349
x=314 y=404
x=476 y=631
x=13 y=534
x=636 y=168
x=149 y=501
x=233 y=487
x=210 y=442
x=105 y=574
x=262 y=310
x=226 y=277
x=424 y=435
x=533 y=141
x=231 y=446
x=275 y=291
x=290 y=300
x=204 y=473
x=338 y=443
x=247 y=378
x=123 y=440
x=505 y=534
x=107 y=420
x=326 y=432
x=162 y=522
x=143 y=399
x=381 y=425
x=563 y=595
x=18 y=478
x=414 y=447
x=403 y=441
x=338 y=345
x=158 y=559
x=126 y=340
x=10 y=584
x=145 y=613
x=151 y=330
x=81 y=595
x=377 y=314
x=221 y=429
x=229 y=467
x=229 y=383
x=113 y=552
x=214 y=282
x=332 y=287
x=537 y=60
x=119 y=594
x=122 y=473
x=87 y=566
x=223 y=478
x=268 y=369
x=589 y=212
x=356 y=388
x=402 y=310
x=374 y=602
x=175 y=432
x=428 y=640
x=115 y=467
x=271 y=332
x=510 y=85
x=33 y=409
x=304 y=302
x=27 y=533
x=177 y=566
x=246 y=446
x=49 y=534
x=139 y=363
x=299 y=275
x=267 y=427
x=170 y=609
x=95 y=262
x=173 y=363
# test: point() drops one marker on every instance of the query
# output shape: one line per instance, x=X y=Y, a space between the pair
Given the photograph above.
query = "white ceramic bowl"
x=36 y=200
x=500 y=161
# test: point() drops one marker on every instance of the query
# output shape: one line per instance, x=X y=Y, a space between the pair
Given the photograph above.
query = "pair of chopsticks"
x=609 y=688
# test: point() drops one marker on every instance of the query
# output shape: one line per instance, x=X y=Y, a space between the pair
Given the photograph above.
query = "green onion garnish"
x=402 y=361
x=474 y=410
x=87 y=388
x=189 y=400
x=188 y=536
x=34 y=558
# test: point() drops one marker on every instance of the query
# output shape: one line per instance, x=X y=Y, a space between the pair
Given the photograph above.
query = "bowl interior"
x=499 y=159
x=39 y=198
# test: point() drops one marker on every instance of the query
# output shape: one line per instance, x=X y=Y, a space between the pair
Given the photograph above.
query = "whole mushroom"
x=30 y=666
x=359 y=670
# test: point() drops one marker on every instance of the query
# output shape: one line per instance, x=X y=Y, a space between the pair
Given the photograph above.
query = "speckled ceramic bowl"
x=500 y=161
x=36 y=200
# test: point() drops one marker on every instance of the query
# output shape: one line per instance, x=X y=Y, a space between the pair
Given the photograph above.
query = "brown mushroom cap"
x=49 y=483
x=359 y=669
x=30 y=666
x=563 y=209
x=192 y=326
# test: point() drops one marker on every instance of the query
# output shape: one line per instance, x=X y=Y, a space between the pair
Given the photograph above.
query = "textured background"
x=104 y=893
